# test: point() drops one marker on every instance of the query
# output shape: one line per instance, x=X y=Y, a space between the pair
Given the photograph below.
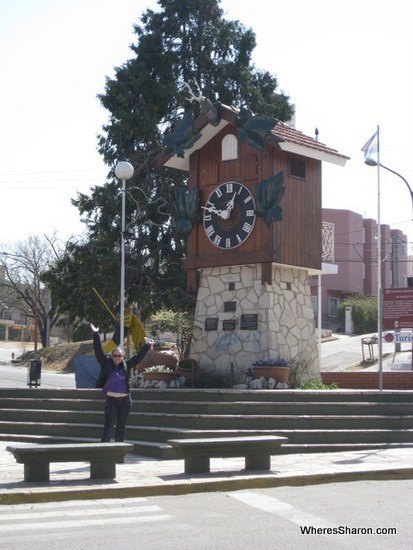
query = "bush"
x=364 y=311
x=314 y=384
x=180 y=323
x=298 y=372
x=215 y=380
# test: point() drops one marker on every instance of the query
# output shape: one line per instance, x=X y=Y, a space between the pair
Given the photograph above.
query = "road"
x=345 y=350
x=320 y=517
x=338 y=354
x=18 y=348
x=14 y=375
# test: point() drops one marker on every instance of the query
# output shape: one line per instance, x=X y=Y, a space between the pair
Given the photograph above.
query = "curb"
x=204 y=486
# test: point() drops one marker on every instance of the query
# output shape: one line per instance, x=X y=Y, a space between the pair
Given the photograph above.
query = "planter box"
x=152 y=358
x=280 y=374
x=166 y=376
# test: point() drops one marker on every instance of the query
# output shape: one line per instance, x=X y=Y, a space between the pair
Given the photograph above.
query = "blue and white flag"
x=371 y=149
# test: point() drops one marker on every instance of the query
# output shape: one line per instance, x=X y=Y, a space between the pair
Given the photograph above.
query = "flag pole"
x=379 y=283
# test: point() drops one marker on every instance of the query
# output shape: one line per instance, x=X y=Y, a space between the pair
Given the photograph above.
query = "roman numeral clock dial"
x=229 y=215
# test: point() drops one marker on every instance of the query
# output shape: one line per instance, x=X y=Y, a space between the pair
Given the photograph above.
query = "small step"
x=161 y=451
x=27 y=403
x=352 y=437
x=339 y=447
x=273 y=407
x=219 y=395
x=262 y=422
x=33 y=438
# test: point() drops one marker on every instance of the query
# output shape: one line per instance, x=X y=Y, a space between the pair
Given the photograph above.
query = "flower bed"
x=159 y=372
x=277 y=369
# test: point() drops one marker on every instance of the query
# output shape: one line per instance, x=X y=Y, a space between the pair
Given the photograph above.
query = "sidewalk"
x=140 y=476
x=345 y=353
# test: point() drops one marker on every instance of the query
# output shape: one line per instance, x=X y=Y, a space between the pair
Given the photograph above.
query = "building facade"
x=350 y=242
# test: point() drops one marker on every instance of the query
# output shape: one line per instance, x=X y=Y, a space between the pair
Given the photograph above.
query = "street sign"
x=397 y=308
x=398 y=337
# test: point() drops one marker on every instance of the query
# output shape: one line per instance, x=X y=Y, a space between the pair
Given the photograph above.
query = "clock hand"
x=230 y=205
x=224 y=214
x=211 y=209
x=221 y=213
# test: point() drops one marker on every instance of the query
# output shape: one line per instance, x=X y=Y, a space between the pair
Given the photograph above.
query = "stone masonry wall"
x=285 y=319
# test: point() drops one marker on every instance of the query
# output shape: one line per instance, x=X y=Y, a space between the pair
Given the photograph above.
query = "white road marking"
x=75 y=514
x=281 y=509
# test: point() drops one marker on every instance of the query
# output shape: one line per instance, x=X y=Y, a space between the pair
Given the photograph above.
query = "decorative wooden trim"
x=216 y=260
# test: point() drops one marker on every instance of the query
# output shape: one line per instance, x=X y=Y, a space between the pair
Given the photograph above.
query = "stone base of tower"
x=238 y=320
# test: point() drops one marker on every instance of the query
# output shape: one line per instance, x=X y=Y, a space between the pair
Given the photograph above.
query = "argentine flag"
x=370 y=149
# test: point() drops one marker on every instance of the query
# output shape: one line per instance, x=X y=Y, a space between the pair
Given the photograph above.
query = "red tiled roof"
x=281 y=133
x=288 y=133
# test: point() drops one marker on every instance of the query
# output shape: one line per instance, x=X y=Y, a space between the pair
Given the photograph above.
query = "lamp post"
x=123 y=171
x=372 y=162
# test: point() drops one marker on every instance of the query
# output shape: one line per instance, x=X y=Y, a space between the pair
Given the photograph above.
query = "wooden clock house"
x=254 y=240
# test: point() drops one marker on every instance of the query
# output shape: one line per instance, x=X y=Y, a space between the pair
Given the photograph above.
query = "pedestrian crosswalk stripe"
x=79 y=512
x=16 y=527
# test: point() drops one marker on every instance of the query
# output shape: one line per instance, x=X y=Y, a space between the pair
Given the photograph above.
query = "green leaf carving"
x=185 y=205
x=183 y=138
x=253 y=129
x=269 y=195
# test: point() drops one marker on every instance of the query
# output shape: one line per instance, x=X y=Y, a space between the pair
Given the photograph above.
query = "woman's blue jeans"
x=117 y=410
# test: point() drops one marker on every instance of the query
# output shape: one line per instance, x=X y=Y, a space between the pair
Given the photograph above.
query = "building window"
x=333 y=304
x=229 y=147
x=6 y=314
x=297 y=167
x=23 y=319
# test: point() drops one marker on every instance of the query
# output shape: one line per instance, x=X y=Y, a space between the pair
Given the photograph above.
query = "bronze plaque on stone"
x=211 y=323
x=249 y=321
x=230 y=306
x=229 y=324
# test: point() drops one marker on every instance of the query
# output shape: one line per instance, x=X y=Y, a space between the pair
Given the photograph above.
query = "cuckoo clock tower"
x=253 y=217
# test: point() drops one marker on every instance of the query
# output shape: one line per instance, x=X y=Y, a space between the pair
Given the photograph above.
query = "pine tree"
x=185 y=41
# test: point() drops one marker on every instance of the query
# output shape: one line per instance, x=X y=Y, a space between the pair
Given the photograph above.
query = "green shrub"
x=215 y=380
x=314 y=384
x=364 y=312
x=298 y=372
x=180 y=323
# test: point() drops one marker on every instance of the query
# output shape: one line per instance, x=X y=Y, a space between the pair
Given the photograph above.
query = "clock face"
x=229 y=215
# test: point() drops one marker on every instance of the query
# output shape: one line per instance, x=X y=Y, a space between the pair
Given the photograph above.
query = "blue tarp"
x=86 y=371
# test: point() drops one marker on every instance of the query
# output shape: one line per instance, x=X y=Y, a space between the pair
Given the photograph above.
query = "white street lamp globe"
x=124 y=170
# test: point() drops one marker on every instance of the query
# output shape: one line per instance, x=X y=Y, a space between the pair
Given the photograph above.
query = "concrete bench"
x=102 y=457
x=256 y=449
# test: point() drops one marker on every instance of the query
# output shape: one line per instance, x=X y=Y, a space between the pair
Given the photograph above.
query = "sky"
x=346 y=66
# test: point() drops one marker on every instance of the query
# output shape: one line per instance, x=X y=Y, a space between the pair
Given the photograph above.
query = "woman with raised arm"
x=114 y=381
